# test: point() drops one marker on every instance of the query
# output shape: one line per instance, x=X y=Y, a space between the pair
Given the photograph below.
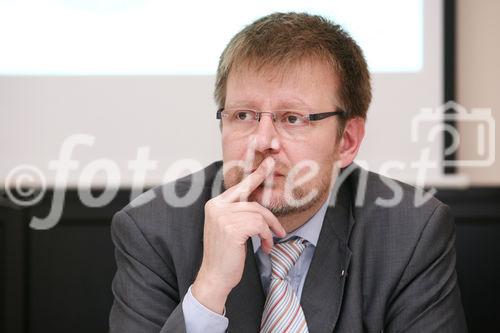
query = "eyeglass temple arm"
x=319 y=116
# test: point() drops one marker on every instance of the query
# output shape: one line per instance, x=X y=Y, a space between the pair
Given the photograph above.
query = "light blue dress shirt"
x=200 y=319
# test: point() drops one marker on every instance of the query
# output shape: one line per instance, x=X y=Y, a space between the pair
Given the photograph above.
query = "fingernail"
x=270 y=163
x=275 y=143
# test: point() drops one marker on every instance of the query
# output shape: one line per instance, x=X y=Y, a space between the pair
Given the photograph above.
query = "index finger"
x=249 y=183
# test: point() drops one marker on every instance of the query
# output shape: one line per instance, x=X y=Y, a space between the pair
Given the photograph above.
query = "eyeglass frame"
x=311 y=117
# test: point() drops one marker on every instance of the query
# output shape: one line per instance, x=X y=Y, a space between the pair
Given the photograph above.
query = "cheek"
x=323 y=157
x=235 y=153
x=232 y=149
x=301 y=151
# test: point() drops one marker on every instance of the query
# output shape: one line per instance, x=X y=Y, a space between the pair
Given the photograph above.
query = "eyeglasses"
x=289 y=123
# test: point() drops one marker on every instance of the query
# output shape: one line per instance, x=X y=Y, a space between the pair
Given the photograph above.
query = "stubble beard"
x=277 y=200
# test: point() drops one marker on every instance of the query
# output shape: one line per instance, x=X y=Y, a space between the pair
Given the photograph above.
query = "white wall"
x=122 y=113
x=478 y=77
x=174 y=115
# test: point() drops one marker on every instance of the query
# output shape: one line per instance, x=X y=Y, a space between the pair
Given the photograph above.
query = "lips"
x=275 y=173
x=277 y=169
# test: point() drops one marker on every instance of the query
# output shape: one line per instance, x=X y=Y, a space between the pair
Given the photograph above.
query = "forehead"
x=306 y=83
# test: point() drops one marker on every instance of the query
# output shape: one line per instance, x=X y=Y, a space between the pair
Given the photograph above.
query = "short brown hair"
x=279 y=40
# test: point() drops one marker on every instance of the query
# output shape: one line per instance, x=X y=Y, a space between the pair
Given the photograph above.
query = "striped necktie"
x=282 y=311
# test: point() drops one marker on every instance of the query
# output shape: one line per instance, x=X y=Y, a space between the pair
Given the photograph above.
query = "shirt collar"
x=309 y=231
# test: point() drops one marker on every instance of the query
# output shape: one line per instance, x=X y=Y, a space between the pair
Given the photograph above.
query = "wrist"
x=210 y=293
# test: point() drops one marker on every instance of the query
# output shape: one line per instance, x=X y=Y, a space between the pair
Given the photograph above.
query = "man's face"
x=309 y=87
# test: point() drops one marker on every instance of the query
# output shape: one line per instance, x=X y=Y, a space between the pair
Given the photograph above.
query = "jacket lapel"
x=323 y=289
x=245 y=303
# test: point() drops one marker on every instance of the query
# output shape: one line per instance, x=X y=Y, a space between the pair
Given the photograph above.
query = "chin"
x=274 y=202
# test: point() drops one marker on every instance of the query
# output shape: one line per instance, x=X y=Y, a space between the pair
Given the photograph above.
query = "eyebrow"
x=286 y=104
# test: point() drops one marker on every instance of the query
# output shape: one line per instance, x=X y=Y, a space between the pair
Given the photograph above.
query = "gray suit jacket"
x=374 y=269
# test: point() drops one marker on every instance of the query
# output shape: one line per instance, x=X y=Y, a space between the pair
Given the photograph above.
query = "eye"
x=244 y=115
x=293 y=119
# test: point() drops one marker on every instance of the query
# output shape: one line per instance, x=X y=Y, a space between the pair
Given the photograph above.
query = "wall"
x=478 y=77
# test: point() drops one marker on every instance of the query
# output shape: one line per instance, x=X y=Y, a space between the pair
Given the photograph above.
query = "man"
x=287 y=244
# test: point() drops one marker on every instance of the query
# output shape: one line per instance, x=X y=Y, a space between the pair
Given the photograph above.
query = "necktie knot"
x=285 y=255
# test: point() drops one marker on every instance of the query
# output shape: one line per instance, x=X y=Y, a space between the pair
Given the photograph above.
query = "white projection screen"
x=137 y=76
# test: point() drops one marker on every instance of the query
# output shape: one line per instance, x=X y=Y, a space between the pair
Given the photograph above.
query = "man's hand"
x=228 y=225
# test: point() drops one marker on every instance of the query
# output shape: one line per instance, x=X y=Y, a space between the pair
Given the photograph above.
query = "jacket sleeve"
x=146 y=297
x=427 y=298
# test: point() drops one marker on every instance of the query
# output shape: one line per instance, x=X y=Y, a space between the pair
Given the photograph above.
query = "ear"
x=351 y=140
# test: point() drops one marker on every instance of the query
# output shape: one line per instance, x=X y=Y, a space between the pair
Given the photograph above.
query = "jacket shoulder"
x=389 y=212
x=176 y=206
x=379 y=195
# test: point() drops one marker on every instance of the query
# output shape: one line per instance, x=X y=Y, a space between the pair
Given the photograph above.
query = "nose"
x=267 y=138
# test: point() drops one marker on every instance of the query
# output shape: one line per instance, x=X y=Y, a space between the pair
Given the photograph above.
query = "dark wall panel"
x=13 y=267
x=71 y=267
x=478 y=269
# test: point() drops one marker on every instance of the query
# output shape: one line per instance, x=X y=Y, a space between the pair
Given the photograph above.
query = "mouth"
x=275 y=173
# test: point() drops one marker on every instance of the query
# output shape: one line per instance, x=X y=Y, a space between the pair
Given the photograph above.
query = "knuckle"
x=213 y=205
x=243 y=205
x=209 y=205
x=255 y=205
